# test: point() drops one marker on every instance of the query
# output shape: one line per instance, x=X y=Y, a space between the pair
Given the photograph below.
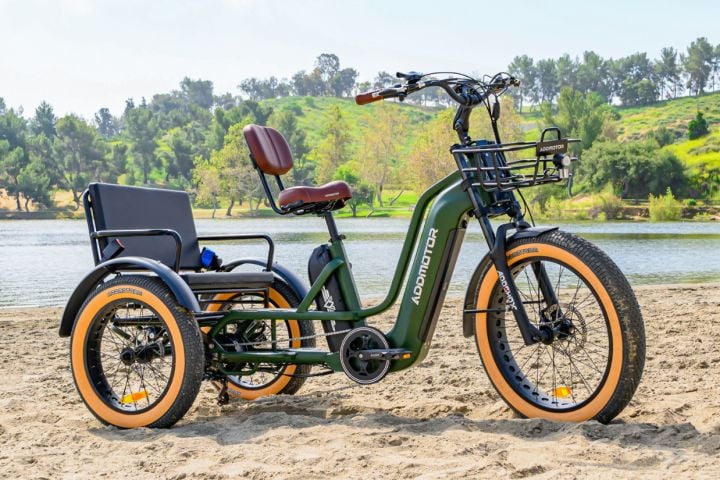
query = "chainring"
x=363 y=371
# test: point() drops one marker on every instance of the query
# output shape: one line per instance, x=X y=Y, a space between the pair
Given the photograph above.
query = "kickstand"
x=223 y=398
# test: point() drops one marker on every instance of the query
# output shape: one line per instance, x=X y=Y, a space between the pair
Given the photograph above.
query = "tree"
x=380 y=154
x=207 y=179
x=592 y=75
x=633 y=169
x=13 y=154
x=361 y=192
x=34 y=182
x=105 y=123
x=79 y=155
x=299 y=85
x=176 y=152
x=634 y=80
x=523 y=68
x=198 y=92
x=141 y=129
x=383 y=80
x=237 y=178
x=698 y=65
x=578 y=115
x=44 y=121
x=41 y=150
x=566 y=70
x=328 y=64
x=697 y=126
x=715 y=70
x=115 y=163
x=668 y=72
x=225 y=101
x=429 y=159
x=334 y=148
x=343 y=82
x=12 y=162
x=547 y=80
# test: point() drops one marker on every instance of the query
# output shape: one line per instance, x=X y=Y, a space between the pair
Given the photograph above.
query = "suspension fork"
x=530 y=333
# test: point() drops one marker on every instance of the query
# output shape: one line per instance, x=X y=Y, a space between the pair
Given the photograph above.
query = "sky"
x=80 y=55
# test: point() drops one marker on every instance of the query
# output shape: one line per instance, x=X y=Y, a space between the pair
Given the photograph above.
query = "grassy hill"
x=636 y=122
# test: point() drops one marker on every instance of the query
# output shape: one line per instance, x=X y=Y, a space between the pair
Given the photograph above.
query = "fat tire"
x=190 y=337
x=623 y=300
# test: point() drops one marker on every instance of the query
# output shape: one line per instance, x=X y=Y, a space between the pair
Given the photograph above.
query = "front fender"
x=482 y=269
x=179 y=288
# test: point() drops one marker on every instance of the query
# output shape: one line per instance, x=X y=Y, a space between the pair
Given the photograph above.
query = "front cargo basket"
x=509 y=166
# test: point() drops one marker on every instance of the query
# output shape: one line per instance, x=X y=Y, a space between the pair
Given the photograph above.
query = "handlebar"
x=461 y=90
x=368 y=97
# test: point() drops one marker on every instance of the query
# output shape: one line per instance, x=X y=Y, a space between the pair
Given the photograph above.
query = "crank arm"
x=383 y=354
x=530 y=333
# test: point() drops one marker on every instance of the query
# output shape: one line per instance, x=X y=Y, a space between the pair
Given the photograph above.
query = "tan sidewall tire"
x=78 y=362
x=277 y=386
x=603 y=397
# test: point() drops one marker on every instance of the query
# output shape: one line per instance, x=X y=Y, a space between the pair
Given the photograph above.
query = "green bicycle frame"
x=435 y=250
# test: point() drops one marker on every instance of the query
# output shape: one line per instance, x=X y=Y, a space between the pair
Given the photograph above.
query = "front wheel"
x=593 y=364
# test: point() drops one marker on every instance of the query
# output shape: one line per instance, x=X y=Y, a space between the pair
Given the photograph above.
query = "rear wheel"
x=267 y=378
x=594 y=362
x=136 y=355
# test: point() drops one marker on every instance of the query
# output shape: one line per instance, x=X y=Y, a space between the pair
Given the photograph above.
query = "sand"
x=440 y=420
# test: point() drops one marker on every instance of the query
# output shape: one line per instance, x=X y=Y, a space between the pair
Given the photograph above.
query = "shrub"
x=664 y=207
x=697 y=126
x=606 y=206
x=702 y=217
x=663 y=136
x=633 y=169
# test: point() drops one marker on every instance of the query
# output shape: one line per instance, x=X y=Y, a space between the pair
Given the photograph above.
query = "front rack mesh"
x=508 y=166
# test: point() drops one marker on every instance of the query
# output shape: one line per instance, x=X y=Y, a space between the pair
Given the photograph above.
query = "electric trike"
x=556 y=324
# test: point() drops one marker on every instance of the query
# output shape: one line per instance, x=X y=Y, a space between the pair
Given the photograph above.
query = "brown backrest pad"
x=269 y=149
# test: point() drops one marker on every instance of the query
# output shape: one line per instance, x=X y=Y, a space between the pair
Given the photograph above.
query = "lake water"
x=41 y=261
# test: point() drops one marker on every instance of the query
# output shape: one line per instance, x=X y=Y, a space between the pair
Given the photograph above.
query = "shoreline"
x=454 y=297
x=628 y=213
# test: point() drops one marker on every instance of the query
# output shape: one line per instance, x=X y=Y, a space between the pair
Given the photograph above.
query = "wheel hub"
x=141 y=354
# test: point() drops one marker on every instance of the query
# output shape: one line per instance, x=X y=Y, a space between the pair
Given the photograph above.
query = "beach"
x=440 y=420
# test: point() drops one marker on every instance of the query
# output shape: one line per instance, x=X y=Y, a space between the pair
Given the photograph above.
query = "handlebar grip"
x=368 y=97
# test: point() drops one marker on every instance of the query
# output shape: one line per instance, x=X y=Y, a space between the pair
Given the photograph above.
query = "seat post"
x=332 y=227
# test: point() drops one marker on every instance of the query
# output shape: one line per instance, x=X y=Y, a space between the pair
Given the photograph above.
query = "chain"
x=293 y=339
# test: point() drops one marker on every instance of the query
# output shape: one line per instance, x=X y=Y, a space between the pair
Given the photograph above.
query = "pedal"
x=384 y=354
x=223 y=397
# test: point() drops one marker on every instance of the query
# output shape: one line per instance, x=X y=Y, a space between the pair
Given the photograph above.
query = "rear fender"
x=179 y=288
x=281 y=272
